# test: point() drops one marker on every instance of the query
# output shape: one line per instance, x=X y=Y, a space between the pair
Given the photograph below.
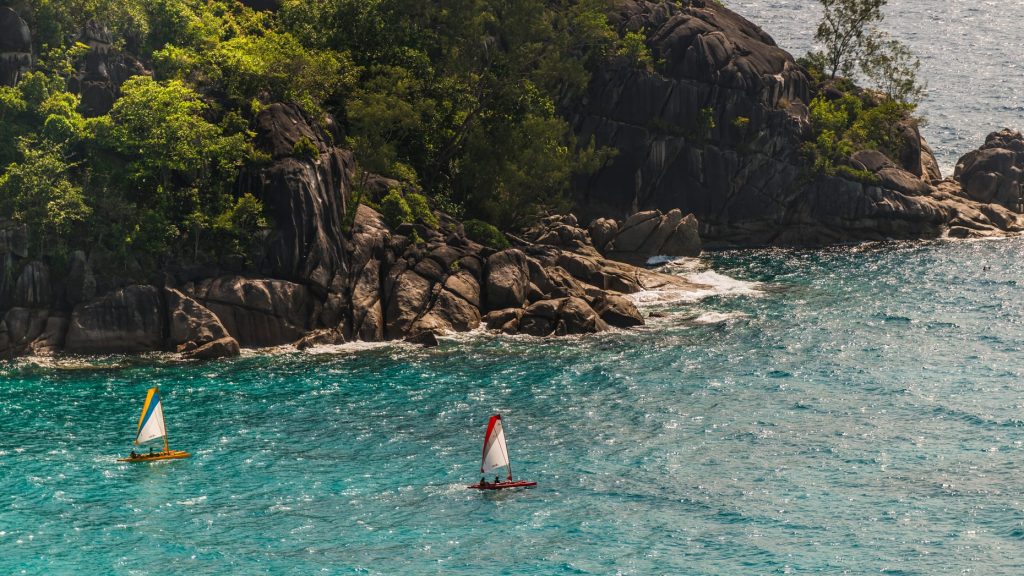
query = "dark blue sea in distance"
x=970 y=53
x=854 y=410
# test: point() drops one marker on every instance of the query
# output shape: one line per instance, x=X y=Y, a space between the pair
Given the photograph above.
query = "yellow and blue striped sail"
x=151 y=423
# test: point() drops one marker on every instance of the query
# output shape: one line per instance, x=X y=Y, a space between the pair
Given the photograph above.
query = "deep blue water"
x=970 y=54
x=856 y=410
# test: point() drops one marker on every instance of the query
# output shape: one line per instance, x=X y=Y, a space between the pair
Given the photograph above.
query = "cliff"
x=716 y=129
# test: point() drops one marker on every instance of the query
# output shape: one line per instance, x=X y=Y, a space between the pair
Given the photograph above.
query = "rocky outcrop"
x=226 y=347
x=15 y=46
x=258 y=312
x=508 y=279
x=647 y=234
x=993 y=173
x=104 y=70
x=715 y=130
x=321 y=337
x=191 y=327
x=370 y=238
x=305 y=193
x=130 y=319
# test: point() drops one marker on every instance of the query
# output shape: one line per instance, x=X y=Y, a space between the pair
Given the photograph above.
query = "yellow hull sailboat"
x=152 y=427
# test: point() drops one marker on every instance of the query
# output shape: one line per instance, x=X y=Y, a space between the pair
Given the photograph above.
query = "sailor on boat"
x=152 y=427
x=495 y=456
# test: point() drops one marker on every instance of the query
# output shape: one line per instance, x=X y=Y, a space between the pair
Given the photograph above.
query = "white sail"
x=151 y=423
x=495 y=451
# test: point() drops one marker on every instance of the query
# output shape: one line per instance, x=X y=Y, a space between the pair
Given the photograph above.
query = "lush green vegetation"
x=846 y=118
x=458 y=101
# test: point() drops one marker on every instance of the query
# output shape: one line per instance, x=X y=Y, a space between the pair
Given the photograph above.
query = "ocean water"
x=970 y=57
x=856 y=411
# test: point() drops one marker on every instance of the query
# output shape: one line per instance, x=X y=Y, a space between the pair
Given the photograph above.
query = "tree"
x=893 y=68
x=39 y=192
x=844 y=30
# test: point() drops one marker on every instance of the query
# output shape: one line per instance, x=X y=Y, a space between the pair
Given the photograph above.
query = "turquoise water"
x=854 y=411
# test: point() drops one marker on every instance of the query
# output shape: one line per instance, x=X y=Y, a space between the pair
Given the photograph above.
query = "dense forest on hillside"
x=459 y=102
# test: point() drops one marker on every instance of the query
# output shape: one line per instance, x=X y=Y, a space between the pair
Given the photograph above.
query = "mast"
x=166 y=447
x=507 y=458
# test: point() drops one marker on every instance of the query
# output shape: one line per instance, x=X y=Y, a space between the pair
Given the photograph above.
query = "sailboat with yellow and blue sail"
x=152 y=427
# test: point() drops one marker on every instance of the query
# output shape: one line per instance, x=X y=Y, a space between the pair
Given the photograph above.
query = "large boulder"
x=507 y=279
x=258 y=312
x=618 y=311
x=994 y=173
x=559 y=317
x=651 y=233
x=19 y=328
x=226 y=347
x=129 y=319
x=191 y=325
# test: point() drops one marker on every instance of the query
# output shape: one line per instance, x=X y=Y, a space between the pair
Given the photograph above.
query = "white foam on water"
x=350 y=347
x=710 y=284
x=718 y=317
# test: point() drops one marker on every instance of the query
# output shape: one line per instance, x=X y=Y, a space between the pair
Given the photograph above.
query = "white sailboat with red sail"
x=496 y=456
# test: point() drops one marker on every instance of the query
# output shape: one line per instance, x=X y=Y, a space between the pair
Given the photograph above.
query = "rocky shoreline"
x=708 y=150
x=394 y=289
x=322 y=281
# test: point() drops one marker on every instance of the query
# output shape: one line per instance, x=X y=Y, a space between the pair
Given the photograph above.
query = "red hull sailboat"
x=496 y=456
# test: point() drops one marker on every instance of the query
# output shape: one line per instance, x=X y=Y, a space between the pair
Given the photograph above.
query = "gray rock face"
x=305 y=196
x=435 y=288
x=993 y=174
x=713 y=133
x=258 y=312
x=652 y=233
x=13 y=247
x=15 y=46
x=80 y=283
x=32 y=289
x=105 y=68
x=370 y=237
x=130 y=319
x=716 y=131
x=189 y=322
x=19 y=328
x=508 y=278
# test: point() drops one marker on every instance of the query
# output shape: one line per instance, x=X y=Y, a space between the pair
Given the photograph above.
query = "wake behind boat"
x=496 y=456
x=152 y=427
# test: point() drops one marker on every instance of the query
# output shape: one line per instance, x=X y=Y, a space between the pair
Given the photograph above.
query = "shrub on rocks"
x=486 y=234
